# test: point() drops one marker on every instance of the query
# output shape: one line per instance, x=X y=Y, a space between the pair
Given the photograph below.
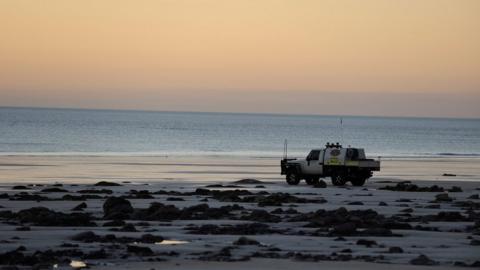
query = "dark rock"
x=23 y=228
x=422 y=260
x=142 y=224
x=175 y=199
x=159 y=211
x=377 y=232
x=244 y=241
x=469 y=205
x=407 y=210
x=117 y=208
x=447 y=216
x=230 y=195
x=239 y=229
x=128 y=228
x=141 y=194
x=87 y=237
x=404 y=186
x=96 y=255
x=23 y=196
x=277 y=211
x=474 y=197
x=248 y=182
x=70 y=197
x=9 y=267
x=443 y=197
x=475 y=242
x=214 y=186
x=320 y=184
x=139 y=250
x=106 y=184
x=224 y=255
x=425 y=228
x=369 y=219
x=95 y=191
x=20 y=187
x=68 y=245
x=261 y=216
x=151 y=239
x=395 y=250
x=114 y=223
x=42 y=216
x=80 y=207
x=355 y=203
x=55 y=189
x=291 y=211
x=278 y=199
x=348 y=228
x=382 y=204
x=449 y=174
x=202 y=191
x=365 y=242
x=475 y=264
x=259 y=186
x=41 y=266
x=222 y=186
x=455 y=189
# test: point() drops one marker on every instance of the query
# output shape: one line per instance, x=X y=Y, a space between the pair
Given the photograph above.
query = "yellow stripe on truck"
x=352 y=163
x=333 y=161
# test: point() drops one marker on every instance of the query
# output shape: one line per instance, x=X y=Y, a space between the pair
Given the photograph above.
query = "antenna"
x=285 y=150
x=341 y=130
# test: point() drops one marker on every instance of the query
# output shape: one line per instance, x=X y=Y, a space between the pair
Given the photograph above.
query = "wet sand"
x=298 y=235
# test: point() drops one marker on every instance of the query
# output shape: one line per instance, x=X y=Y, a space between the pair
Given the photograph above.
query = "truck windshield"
x=314 y=155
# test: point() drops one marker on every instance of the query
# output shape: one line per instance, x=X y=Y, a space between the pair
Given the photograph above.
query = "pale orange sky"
x=350 y=57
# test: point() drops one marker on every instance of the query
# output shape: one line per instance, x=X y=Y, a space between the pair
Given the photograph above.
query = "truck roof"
x=319 y=149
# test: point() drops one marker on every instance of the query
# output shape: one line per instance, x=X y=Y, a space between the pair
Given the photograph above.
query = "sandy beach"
x=140 y=212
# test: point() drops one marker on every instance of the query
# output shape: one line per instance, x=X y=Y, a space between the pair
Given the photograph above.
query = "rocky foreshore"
x=107 y=223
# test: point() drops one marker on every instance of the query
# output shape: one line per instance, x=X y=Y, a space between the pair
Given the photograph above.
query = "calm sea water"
x=62 y=131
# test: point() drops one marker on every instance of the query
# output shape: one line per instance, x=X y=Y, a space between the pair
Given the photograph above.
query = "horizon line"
x=224 y=112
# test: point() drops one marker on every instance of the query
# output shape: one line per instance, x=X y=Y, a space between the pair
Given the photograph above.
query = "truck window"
x=314 y=155
x=352 y=154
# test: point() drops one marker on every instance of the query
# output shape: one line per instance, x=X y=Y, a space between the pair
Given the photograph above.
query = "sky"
x=339 y=57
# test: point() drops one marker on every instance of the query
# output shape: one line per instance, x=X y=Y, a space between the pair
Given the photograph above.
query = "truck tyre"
x=293 y=178
x=358 y=182
x=338 y=179
x=312 y=180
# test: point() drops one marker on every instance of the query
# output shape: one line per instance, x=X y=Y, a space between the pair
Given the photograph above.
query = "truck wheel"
x=338 y=180
x=312 y=180
x=293 y=179
x=358 y=181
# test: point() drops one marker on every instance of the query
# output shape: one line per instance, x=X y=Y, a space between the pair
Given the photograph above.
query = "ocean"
x=31 y=131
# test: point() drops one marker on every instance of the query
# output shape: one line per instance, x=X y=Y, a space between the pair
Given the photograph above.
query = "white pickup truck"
x=342 y=165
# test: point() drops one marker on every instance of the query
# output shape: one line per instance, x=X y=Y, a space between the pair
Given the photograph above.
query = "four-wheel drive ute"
x=342 y=165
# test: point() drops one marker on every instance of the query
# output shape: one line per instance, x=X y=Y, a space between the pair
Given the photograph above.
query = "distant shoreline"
x=270 y=114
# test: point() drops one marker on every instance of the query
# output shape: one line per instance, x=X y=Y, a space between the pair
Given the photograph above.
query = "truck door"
x=315 y=162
